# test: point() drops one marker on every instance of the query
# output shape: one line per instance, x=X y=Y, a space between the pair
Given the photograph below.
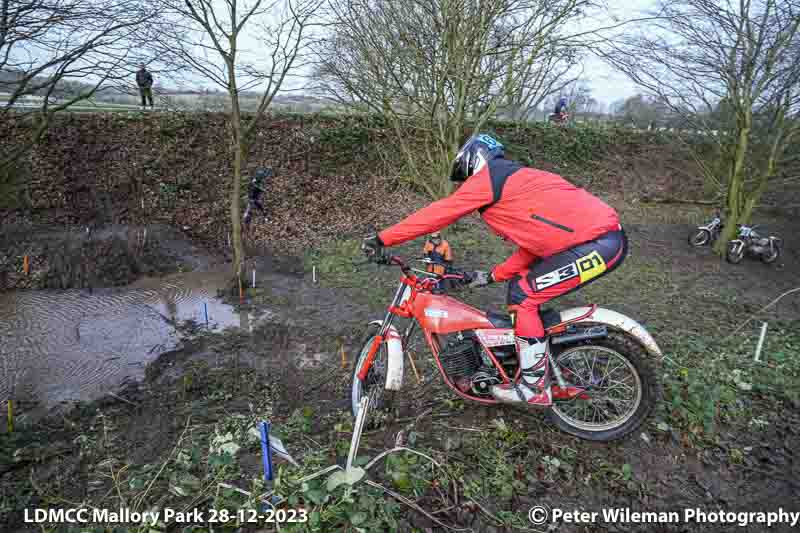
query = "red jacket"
x=539 y=211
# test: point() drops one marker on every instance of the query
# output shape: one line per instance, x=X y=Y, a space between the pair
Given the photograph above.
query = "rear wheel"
x=374 y=386
x=699 y=238
x=772 y=255
x=621 y=386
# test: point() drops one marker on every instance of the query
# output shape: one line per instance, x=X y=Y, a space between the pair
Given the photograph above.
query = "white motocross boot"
x=530 y=389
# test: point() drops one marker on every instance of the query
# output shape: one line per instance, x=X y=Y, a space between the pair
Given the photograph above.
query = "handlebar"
x=396 y=260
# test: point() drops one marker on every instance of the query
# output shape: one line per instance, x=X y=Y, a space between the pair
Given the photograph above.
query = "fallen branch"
x=398 y=449
x=773 y=302
x=403 y=499
x=123 y=399
x=647 y=200
x=495 y=518
x=141 y=497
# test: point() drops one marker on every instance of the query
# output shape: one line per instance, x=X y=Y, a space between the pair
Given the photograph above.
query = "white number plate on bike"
x=491 y=337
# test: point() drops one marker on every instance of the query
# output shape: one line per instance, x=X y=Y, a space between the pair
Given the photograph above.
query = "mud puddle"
x=76 y=345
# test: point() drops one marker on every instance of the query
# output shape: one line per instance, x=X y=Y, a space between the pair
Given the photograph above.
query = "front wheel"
x=735 y=253
x=621 y=388
x=374 y=386
x=699 y=238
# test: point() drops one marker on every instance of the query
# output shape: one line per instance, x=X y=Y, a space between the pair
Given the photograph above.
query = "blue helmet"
x=473 y=156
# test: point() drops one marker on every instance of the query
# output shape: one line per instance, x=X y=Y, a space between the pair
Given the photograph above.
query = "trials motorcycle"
x=707 y=234
x=559 y=119
x=749 y=242
x=600 y=363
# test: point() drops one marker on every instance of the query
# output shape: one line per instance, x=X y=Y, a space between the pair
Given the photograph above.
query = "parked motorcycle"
x=749 y=242
x=703 y=235
x=600 y=362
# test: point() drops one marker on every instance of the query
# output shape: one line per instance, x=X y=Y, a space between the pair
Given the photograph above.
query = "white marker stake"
x=357 y=429
x=254 y=278
x=314 y=273
x=761 y=341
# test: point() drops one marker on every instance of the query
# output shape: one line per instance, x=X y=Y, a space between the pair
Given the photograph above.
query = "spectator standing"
x=145 y=82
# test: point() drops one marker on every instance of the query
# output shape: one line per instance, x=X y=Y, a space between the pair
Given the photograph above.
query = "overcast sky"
x=607 y=84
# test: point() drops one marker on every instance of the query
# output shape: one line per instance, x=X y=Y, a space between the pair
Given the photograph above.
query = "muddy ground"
x=136 y=448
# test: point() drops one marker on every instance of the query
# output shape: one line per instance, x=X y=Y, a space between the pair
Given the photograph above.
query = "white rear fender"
x=394 y=366
x=618 y=321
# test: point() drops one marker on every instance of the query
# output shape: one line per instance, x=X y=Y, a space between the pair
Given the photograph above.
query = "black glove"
x=480 y=278
x=372 y=247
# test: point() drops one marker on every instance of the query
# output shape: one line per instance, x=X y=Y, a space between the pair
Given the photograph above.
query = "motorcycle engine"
x=461 y=358
x=759 y=246
x=463 y=363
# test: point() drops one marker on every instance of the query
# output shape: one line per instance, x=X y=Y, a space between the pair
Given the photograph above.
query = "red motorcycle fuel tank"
x=443 y=314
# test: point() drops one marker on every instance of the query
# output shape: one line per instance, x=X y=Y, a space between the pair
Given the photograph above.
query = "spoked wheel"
x=621 y=389
x=374 y=386
x=735 y=253
x=699 y=238
x=773 y=255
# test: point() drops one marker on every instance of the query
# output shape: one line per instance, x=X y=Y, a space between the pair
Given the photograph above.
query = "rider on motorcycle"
x=561 y=106
x=566 y=238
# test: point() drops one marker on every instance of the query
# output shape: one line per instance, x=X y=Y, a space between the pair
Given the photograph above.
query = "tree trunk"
x=239 y=147
x=734 y=203
x=236 y=225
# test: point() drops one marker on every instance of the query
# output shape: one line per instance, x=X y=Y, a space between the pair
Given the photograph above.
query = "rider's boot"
x=531 y=388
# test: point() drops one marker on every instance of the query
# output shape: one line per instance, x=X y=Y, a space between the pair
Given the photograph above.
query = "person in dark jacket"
x=566 y=237
x=145 y=82
x=256 y=189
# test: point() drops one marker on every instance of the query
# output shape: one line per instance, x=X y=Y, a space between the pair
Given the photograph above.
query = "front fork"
x=403 y=291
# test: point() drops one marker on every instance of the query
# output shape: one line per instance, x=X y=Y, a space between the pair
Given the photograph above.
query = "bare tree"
x=729 y=69
x=432 y=67
x=55 y=53
x=550 y=74
x=240 y=46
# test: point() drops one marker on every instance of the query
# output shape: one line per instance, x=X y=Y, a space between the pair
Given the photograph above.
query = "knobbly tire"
x=640 y=360
x=771 y=258
x=382 y=403
x=698 y=238
x=731 y=256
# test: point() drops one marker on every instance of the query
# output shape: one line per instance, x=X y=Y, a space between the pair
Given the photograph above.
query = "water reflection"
x=75 y=345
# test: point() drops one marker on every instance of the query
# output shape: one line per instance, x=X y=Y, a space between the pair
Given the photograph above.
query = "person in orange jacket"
x=438 y=250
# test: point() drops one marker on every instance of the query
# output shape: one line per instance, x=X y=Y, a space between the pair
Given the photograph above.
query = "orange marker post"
x=26 y=265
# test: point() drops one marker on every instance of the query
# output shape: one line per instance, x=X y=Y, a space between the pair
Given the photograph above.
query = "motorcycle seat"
x=550 y=318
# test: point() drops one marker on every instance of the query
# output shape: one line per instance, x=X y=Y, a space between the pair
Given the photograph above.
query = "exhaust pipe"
x=595 y=332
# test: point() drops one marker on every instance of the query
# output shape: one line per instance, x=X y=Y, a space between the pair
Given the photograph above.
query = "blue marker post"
x=205 y=311
x=266 y=453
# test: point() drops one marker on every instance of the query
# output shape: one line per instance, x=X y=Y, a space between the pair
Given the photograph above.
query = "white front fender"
x=617 y=321
x=394 y=366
